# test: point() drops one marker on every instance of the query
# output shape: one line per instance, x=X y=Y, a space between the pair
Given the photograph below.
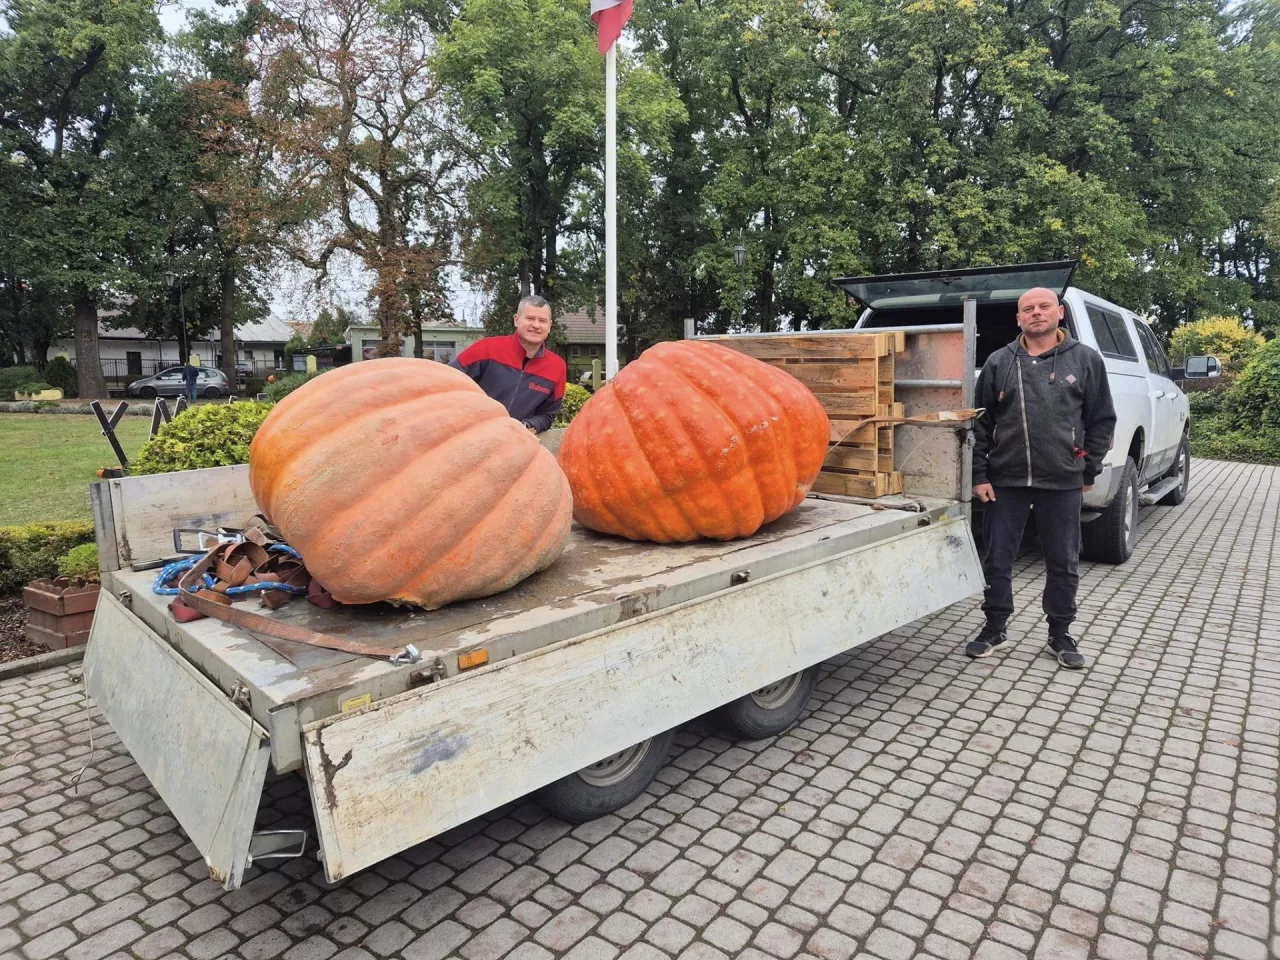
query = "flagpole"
x=611 y=213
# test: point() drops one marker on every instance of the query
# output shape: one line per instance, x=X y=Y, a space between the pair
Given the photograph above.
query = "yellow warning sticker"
x=355 y=703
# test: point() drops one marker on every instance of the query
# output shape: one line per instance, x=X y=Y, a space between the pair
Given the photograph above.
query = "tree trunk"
x=228 y=323
x=88 y=367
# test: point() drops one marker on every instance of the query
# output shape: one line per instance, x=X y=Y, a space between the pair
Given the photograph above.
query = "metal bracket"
x=276 y=845
x=739 y=578
x=431 y=673
x=205 y=539
x=410 y=655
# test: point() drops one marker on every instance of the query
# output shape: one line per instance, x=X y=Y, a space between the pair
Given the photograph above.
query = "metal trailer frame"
x=614 y=644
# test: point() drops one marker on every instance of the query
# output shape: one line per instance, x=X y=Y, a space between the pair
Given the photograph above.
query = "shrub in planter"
x=37 y=390
x=574 y=397
x=210 y=435
x=31 y=551
x=80 y=563
x=13 y=377
x=62 y=375
x=286 y=385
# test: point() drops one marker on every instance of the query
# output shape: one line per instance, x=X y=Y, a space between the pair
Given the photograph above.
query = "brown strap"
x=256 y=623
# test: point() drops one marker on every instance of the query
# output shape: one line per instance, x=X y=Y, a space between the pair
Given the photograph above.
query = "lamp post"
x=740 y=258
x=182 y=318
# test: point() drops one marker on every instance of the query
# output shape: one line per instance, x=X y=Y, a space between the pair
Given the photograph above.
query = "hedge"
x=574 y=397
x=32 y=550
x=80 y=562
x=286 y=385
x=11 y=378
x=211 y=435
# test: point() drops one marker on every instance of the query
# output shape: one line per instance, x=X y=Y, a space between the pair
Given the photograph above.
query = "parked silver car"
x=211 y=383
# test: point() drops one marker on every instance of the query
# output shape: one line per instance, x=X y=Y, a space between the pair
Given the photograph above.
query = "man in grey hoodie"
x=1048 y=423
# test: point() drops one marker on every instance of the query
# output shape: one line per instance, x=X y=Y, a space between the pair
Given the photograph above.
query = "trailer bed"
x=597 y=582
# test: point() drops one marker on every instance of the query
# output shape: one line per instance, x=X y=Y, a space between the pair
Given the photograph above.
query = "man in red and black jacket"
x=518 y=371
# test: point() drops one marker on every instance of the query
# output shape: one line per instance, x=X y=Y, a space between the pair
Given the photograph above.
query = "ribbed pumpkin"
x=693 y=440
x=399 y=479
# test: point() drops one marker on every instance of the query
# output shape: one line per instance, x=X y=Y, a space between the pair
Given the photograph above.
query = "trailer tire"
x=771 y=710
x=608 y=785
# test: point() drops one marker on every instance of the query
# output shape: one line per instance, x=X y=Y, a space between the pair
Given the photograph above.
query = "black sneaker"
x=1065 y=648
x=991 y=637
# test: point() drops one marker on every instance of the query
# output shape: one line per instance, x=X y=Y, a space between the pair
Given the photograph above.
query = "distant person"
x=518 y=370
x=190 y=374
x=1048 y=423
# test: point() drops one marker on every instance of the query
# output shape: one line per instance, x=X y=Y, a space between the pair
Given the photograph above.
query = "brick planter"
x=59 y=612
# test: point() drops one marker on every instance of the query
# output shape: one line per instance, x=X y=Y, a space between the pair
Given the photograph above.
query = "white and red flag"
x=609 y=16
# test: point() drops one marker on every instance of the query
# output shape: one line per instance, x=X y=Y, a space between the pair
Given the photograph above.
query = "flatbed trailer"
x=569 y=684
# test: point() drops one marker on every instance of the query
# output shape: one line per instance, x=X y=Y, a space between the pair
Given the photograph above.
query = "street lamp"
x=173 y=278
x=740 y=259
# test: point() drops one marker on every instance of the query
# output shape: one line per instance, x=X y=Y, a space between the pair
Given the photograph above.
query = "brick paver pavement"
x=926 y=806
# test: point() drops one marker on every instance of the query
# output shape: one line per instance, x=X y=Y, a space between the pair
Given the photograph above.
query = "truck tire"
x=770 y=710
x=1181 y=468
x=608 y=785
x=1111 y=537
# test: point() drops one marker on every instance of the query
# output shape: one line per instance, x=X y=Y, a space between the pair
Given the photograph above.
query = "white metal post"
x=611 y=213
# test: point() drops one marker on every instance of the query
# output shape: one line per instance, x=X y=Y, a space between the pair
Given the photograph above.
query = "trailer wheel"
x=608 y=785
x=770 y=710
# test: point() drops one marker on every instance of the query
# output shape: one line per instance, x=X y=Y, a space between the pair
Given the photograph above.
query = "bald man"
x=1048 y=424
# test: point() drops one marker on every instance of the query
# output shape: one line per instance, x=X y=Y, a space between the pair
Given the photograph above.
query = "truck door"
x=1164 y=392
x=1131 y=390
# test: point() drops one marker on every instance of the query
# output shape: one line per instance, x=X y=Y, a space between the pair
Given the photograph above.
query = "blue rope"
x=173 y=570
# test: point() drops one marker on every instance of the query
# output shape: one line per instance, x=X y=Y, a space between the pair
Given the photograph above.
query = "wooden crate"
x=851 y=374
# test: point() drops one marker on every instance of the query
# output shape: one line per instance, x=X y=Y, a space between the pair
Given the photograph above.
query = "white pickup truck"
x=1150 y=458
x=568 y=685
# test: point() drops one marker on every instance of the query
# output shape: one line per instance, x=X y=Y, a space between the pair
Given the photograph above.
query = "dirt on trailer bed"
x=14 y=644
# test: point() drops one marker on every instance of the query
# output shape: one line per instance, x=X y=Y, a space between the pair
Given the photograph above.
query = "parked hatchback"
x=211 y=383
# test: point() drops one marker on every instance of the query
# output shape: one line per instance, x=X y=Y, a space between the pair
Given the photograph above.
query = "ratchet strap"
x=943 y=418
x=247 y=561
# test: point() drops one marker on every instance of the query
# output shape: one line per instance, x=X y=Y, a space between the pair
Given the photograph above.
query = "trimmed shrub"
x=574 y=397
x=284 y=386
x=210 y=435
x=32 y=550
x=254 y=386
x=1254 y=397
x=13 y=377
x=80 y=562
x=1214 y=439
x=1226 y=338
x=35 y=386
x=62 y=375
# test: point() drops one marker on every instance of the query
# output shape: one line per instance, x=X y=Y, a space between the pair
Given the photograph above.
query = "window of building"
x=278 y=357
x=248 y=354
x=595 y=351
x=575 y=350
x=441 y=350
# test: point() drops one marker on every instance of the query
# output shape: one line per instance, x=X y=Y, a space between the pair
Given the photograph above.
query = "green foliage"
x=80 y=563
x=1254 y=397
x=35 y=386
x=11 y=378
x=1226 y=338
x=286 y=385
x=254 y=386
x=1214 y=438
x=1206 y=403
x=330 y=327
x=62 y=375
x=32 y=550
x=574 y=397
x=209 y=435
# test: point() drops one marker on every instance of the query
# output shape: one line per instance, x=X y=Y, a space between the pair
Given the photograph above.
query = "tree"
x=69 y=87
x=330 y=327
x=529 y=86
x=1226 y=338
x=362 y=136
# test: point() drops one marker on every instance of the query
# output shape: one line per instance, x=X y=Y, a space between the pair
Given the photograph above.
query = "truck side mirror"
x=1200 y=368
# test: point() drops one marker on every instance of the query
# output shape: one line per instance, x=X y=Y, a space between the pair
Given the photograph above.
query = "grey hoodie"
x=1049 y=419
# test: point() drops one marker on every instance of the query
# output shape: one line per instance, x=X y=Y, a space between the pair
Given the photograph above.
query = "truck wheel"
x=1181 y=469
x=1111 y=537
x=770 y=710
x=605 y=786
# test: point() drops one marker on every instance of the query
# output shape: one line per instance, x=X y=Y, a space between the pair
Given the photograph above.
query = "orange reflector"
x=475 y=658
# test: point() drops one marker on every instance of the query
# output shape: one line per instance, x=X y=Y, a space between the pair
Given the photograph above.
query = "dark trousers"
x=1058 y=523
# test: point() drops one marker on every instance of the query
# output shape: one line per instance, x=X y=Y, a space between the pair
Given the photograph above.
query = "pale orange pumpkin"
x=693 y=440
x=399 y=479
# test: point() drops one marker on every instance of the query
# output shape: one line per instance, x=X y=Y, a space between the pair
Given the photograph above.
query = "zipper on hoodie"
x=1026 y=432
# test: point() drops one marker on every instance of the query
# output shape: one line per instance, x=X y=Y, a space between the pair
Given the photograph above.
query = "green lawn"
x=49 y=460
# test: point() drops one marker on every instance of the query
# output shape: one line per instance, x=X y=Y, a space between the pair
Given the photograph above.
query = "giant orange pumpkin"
x=399 y=479
x=693 y=440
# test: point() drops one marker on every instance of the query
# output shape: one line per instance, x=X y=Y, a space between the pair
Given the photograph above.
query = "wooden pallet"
x=851 y=374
